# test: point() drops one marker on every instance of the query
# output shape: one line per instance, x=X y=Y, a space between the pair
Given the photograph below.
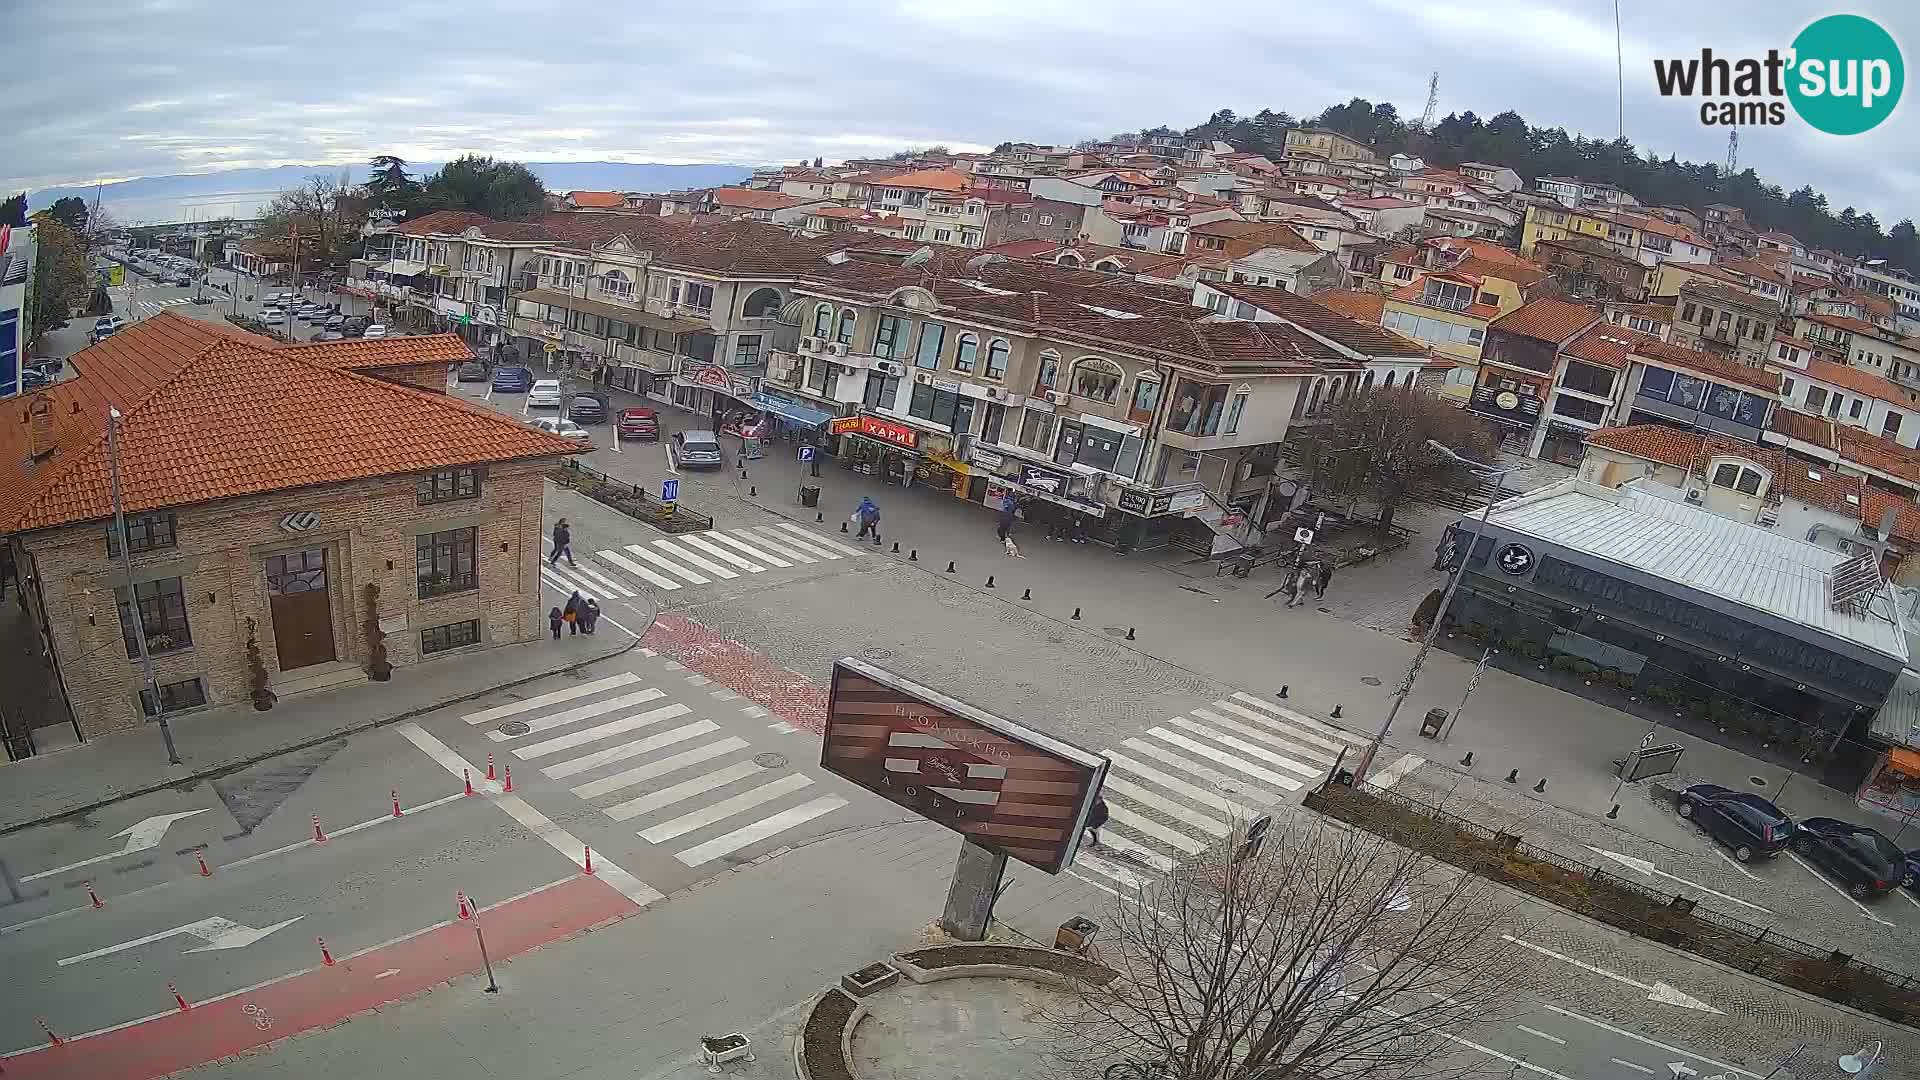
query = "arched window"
x=1097 y=379
x=964 y=352
x=847 y=317
x=823 y=320
x=1110 y=265
x=1313 y=399
x=615 y=283
x=1067 y=259
x=1049 y=371
x=997 y=359
x=1389 y=382
x=1368 y=384
x=761 y=304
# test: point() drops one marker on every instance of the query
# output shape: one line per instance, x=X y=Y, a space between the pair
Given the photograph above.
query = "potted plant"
x=377 y=667
x=263 y=695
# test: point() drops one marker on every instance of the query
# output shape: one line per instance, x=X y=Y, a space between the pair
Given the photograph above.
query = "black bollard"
x=819 y=516
x=1513 y=777
x=896 y=547
x=753 y=492
x=949 y=566
x=1027 y=595
x=843 y=526
x=1541 y=786
x=1129 y=633
x=914 y=555
x=1467 y=762
x=1336 y=712
x=1614 y=814
x=1282 y=695
x=989 y=581
x=1076 y=613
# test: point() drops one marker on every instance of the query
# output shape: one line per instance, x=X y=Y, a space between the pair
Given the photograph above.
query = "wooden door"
x=302 y=608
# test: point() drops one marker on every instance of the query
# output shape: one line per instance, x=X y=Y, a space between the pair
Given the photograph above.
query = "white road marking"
x=1178 y=786
x=725 y=808
x=765 y=557
x=668 y=565
x=1146 y=825
x=1631 y=1065
x=1517 y=1063
x=622 y=752
x=540 y=824
x=601 y=731
x=1645 y=866
x=638 y=571
x=141 y=835
x=1663 y=993
x=1311 y=772
x=563 y=584
x=775 y=543
x=1538 y=1034
x=1159 y=753
x=1086 y=860
x=698 y=680
x=1735 y=863
x=753 y=710
x=1625 y=1034
x=1863 y=908
x=1178 y=811
x=721 y=553
x=782 y=728
x=686 y=789
x=817 y=540
x=389 y=973
x=1280 y=727
x=346 y=831
x=1397 y=771
x=605 y=582
x=582 y=712
x=1308 y=751
x=708 y=565
x=759 y=830
x=541 y=701
x=1301 y=719
x=642 y=773
x=1152 y=858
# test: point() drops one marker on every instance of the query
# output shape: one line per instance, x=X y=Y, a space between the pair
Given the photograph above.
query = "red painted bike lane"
x=326 y=995
x=790 y=696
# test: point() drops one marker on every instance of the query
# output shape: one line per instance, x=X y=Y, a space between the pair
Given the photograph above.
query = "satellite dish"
x=979 y=262
x=918 y=258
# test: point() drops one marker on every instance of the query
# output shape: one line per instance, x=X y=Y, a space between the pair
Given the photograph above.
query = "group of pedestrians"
x=582 y=612
x=1313 y=575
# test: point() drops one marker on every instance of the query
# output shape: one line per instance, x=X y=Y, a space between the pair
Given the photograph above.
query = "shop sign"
x=1134 y=502
x=987 y=459
x=947 y=461
x=486 y=314
x=1515 y=559
x=889 y=432
x=1186 y=501
x=715 y=377
x=843 y=425
x=1042 y=480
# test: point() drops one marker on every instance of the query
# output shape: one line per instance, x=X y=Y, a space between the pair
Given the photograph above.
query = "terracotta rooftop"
x=1720 y=294
x=1551 y=321
x=926 y=180
x=753 y=199
x=1362 y=304
x=1842 y=322
x=1806 y=427
x=1606 y=344
x=1860 y=381
x=361 y=354
x=1361 y=336
x=1654 y=442
x=209 y=414
x=1669 y=355
x=1874 y=452
x=597 y=200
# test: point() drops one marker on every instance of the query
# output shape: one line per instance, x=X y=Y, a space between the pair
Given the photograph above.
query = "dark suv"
x=587 y=409
x=1867 y=863
x=1743 y=821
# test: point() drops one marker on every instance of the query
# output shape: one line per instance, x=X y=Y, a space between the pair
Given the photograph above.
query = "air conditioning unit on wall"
x=809 y=344
x=1056 y=397
x=893 y=368
x=1694 y=495
x=838 y=348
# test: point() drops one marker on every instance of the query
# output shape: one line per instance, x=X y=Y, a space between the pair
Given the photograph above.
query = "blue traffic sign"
x=670 y=489
x=806 y=453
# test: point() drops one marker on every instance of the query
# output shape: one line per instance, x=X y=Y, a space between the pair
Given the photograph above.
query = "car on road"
x=272 y=313
x=698 y=449
x=544 y=394
x=471 y=371
x=587 y=409
x=1748 y=824
x=336 y=321
x=563 y=427
x=638 y=423
x=374 y=330
x=512 y=380
x=328 y=335
x=106 y=326
x=1867 y=863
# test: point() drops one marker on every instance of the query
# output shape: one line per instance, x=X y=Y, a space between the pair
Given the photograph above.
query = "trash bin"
x=809 y=496
x=1075 y=934
x=1431 y=724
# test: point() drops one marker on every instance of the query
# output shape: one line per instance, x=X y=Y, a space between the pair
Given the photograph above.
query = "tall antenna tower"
x=1433 y=102
x=1733 y=151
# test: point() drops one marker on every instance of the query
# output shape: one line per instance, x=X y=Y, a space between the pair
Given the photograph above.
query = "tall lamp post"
x=133 y=601
x=1453 y=583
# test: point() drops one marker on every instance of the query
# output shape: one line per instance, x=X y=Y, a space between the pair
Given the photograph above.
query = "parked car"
x=587 y=409
x=545 y=394
x=1867 y=863
x=273 y=313
x=34 y=379
x=563 y=427
x=336 y=321
x=512 y=380
x=639 y=423
x=328 y=335
x=376 y=330
x=106 y=326
x=1745 y=822
x=698 y=449
x=471 y=371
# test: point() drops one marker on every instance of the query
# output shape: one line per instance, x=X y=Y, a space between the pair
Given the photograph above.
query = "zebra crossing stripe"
x=1313 y=755
x=709 y=566
x=637 y=570
x=603 y=731
x=722 y=554
x=668 y=565
x=1142 y=824
x=581 y=712
x=789 y=818
x=1133 y=792
x=1251 y=795
x=1245 y=747
x=1265 y=776
x=765 y=557
x=1397 y=771
x=797 y=542
x=772 y=543
x=819 y=541
x=726 y=808
x=561 y=583
x=1174 y=784
x=613 y=587
x=1290 y=731
x=541 y=701
x=1108 y=870
x=633 y=749
x=1302 y=719
x=686 y=789
x=643 y=773
x=1147 y=855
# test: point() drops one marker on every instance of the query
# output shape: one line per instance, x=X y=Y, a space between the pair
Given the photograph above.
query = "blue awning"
x=792 y=410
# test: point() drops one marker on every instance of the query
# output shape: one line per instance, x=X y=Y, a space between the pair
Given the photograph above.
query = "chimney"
x=39 y=428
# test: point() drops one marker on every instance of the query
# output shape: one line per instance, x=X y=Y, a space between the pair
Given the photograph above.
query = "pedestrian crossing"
x=691 y=559
x=153 y=307
x=678 y=777
x=1187 y=782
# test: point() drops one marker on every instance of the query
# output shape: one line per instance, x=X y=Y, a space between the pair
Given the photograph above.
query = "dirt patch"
x=820 y=1039
x=1073 y=967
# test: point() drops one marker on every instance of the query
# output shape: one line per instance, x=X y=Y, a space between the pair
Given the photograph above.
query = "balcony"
x=652 y=360
x=786 y=369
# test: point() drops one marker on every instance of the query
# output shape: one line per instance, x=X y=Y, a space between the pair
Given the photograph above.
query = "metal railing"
x=631 y=500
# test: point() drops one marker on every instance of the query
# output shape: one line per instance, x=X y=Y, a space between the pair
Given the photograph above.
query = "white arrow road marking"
x=1646 y=867
x=140 y=837
x=1656 y=991
x=217 y=932
x=1680 y=1069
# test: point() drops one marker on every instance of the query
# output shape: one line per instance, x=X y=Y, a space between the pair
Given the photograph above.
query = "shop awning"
x=401 y=268
x=556 y=298
x=1047 y=496
x=792 y=410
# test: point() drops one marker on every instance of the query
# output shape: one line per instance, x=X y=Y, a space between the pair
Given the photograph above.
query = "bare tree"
x=1328 y=953
x=1377 y=447
x=326 y=210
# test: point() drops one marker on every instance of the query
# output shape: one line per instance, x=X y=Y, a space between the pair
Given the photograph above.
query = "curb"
x=231 y=766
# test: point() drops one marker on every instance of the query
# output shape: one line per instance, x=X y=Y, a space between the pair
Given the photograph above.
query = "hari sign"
x=1003 y=786
x=889 y=432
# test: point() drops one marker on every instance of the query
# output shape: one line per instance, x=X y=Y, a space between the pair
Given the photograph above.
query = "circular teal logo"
x=1847 y=74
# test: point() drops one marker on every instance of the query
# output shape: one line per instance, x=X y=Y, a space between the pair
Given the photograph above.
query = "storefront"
x=1149 y=519
x=788 y=415
x=876 y=446
x=713 y=391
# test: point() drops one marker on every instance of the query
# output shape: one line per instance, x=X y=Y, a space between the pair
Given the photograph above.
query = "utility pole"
x=126 y=572
x=1733 y=151
x=1433 y=102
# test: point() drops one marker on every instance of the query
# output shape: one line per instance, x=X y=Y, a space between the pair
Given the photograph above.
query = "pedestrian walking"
x=868 y=515
x=1007 y=510
x=589 y=615
x=1096 y=817
x=1320 y=581
x=555 y=619
x=572 y=613
x=562 y=544
x=1296 y=586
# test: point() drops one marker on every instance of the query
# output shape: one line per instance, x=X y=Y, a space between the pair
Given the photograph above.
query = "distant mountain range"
x=241 y=193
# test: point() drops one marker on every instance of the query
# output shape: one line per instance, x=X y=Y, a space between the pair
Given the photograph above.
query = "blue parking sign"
x=670 y=489
x=806 y=454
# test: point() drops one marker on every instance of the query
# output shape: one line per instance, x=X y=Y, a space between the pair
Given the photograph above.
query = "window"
x=937 y=406
x=1891 y=425
x=881 y=390
x=997 y=359
x=444 y=562
x=1587 y=379
x=145 y=532
x=697 y=296
x=163 y=617
x=762 y=304
x=1046 y=219
x=1591 y=412
x=449 y=485
x=1740 y=329
x=1402 y=273
x=438 y=639
x=1853 y=410
x=187 y=694
x=847 y=318
x=1049 y=371
x=1816 y=398
x=1319 y=234
x=1490 y=299
x=888 y=340
x=818 y=376
x=996 y=417
x=746 y=350
x=1238 y=406
x=1097 y=379
x=927 y=356
x=1782 y=352
x=1025 y=217
x=1036 y=431
x=964 y=352
x=1786 y=388
x=1146 y=397
x=822 y=321
x=1447 y=294
x=1686 y=313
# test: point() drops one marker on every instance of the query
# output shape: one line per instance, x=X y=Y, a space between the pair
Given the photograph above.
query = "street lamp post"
x=1433 y=629
x=133 y=601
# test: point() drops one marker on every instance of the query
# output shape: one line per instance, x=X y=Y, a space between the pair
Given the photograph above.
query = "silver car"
x=698 y=449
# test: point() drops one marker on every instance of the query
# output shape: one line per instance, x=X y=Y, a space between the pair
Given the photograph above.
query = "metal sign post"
x=976 y=885
x=670 y=490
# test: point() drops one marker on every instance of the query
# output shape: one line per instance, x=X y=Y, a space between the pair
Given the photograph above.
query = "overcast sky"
x=108 y=89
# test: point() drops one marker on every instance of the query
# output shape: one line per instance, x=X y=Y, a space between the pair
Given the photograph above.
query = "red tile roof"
x=598 y=200
x=1874 y=452
x=1353 y=303
x=1606 y=344
x=1551 y=321
x=1654 y=442
x=926 y=180
x=1310 y=315
x=1858 y=380
x=360 y=354
x=1807 y=428
x=1842 y=322
x=1666 y=354
x=753 y=199
x=214 y=415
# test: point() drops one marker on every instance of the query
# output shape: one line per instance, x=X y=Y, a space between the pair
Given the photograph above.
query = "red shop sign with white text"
x=887 y=431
